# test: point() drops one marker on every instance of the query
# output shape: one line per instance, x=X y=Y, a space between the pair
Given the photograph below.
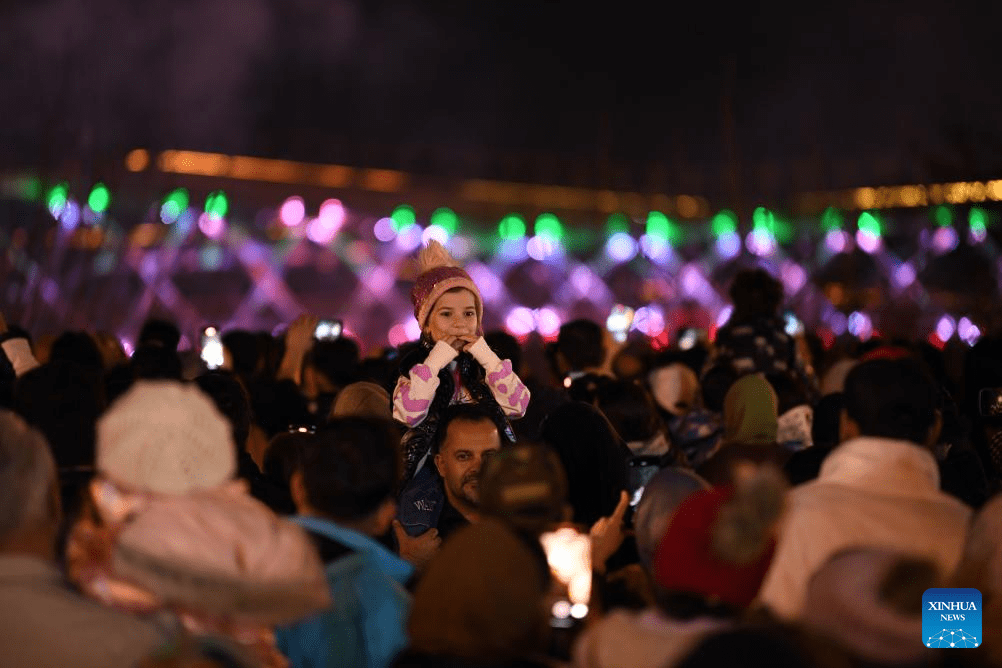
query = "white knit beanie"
x=165 y=437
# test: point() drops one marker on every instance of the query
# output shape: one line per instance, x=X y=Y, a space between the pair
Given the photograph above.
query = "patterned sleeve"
x=414 y=392
x=508 y=389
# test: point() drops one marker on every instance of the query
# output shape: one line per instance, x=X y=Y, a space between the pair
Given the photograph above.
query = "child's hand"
x=460 y=343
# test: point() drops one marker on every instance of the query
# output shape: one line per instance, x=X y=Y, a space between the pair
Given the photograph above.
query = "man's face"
x=461 y=457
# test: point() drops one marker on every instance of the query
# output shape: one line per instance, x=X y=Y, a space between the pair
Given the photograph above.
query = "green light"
x=943 y=216
x=831 y=220
x=662 y=227
x=216 y=204
x=31 y=188
x=99 y=198
x=725 y=222
x=762 y=219
x=403 y=217
x=548 y=225
x=617 y=223
x=56 y=199
x=978 y=219
x=511 y=227
x=868 y=222
x=178 y=200
x=445 y=218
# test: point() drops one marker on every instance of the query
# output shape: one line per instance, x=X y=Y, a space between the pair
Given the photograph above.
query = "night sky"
x=914 y=85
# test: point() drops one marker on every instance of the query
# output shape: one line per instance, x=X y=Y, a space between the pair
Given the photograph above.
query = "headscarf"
x=750 y=412
x=363 y=399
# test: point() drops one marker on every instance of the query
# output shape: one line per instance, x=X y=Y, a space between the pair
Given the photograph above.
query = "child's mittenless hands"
x=461 y=343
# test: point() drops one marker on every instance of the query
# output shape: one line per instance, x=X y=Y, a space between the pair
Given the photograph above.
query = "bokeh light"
x=216 y=205
x=99 y=199
x=549 y=226
x=383 y=230
x=446 y=219
x=292 y=211
x=945 y=328
x=520 y=321
x=944 y=240
x=860 y=326
x=511 y=227
x=728 y=245
x=403 y=217
x=621 y=247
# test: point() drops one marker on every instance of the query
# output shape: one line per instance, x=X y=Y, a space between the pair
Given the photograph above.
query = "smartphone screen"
x=568 y=552
x=328 y=330
x=688 y=339
x=642 y=469
x=792 y=325
x=212 y=348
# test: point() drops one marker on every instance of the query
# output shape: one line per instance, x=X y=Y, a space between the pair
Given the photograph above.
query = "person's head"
x=750 y=416
x=715 y=384
x=77 y=348
x=363 y=399
x=662 y=496
x=155 y=362
x=446 y=300
x=525 y=486
x=675 y=388
x=29 y=502
x=893 y=399
x=633 y=361
x=580 y=346
x=232 y=400
x=755 y=293
x=162 y=333
x=245 y=350
x=630 y=409
x=467 y=437
x=331 y=365
x=348 y=472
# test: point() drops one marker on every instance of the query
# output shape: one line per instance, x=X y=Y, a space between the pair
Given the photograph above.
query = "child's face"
x=454 y=314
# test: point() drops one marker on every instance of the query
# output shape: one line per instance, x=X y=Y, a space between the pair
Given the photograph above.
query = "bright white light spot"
x=860 y=326
x=945 y=328
x=292 y=211
x=332 y=214
x=562 y=609
x=547 y=322
x=621 y=247
x=761 y=242
x=319 y=232
x=412 y=329
x=520 y=321
x=579 y=611
x=436 y=232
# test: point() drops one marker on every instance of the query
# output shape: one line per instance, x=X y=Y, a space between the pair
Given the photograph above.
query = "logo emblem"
x=951 y=618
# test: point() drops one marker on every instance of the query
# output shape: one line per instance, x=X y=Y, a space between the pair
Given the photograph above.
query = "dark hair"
x=581 y=343
x=891 y=399
x=156 y=362
x=161 y=333
x=231 y=398
x=714 y=386
x=825 y=425
x=245 y=349
x=461 y=412
x=755 y=294
x=350 y=467
x=78 y=348
x=337 y=360
x=506 y=346
x=630 y=409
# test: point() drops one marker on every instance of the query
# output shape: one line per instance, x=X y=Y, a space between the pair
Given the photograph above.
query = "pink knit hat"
x=439 y=274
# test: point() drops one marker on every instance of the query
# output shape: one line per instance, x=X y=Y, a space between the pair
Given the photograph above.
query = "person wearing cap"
x=453 y=363
x=879 y=488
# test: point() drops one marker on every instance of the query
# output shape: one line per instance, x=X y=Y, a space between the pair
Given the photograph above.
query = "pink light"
x=650 y=320
x=320 y=233
x=412 y=329
x=656 y=248
x=332 y=214
x=539 y=248
x=904 y=275
x=489 y=285
x=383 y=230
x=129 y=349
x=724 y=315
x=944 y=240
x=794 y=278
x=868 y=241
x=837 y=241
x=292 y=212
x=211 y=226
x=520 y=321
x=398 y=335
x=547 y=322
x=583 y=280
x=380 y=281
x=409 y=238
x=761 y=242
x=945 y=328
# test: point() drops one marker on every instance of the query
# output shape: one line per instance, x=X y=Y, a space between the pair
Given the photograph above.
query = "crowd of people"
x=754 y=500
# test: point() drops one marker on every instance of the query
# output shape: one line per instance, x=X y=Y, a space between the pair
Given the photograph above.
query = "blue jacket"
x=366 y=625
x=421 y=501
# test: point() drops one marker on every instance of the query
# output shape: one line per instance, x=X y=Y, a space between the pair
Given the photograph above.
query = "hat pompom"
x=434 y=255
x=743 y=529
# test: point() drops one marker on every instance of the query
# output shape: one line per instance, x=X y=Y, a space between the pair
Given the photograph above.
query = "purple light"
x=292 y=211
x=319 y=233
x=728 y=245
x=70 y=216
x=332 y=214
x=461 y=247
x=694 y=285
x=383 y=230
x=621 y=247
x=547 y=322
x=761 y=242
x=436 y=232
x=656 y=248
x=129 y=349
x=944 y=240
x=794 y=277
x=583 y=280
x=211 y=226
x=838 y=323
x=520 y=321
x=649 y=320
x=50 y=291
x=541 y=247
x=512 y=250
x=380 y=281
x=868 y=241
x=837 y=241
x=412 y=329
x=860 y=326
x=409 y=238
x=488 y=284
x=724 y=315
x=977 y=234
x=904 y=275
x=946 y=327
x=968 y=331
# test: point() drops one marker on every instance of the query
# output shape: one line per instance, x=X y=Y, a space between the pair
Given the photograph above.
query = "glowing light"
x=904 y=275
x=583 y=280
x=211 y=226
x=944 y=240
x=548 y=225
x=446 y=219
x=724 y=315
x=838 y=323
x=174 y=205
x=99 y=199
x=794 y=278
x=579 y=611
x=619 y=321
x=943 y=216
x=409 y=238
x=868 y=241
x=70 y=216
x=725 y=222
x=379 y=280
x=137 y=160
x=520 y=321
x=486 y=281
x=383 y=230
x=868 y=222
x=397 y=335
x=866 y=198
x=541 y=247
x=461 y=247
x=836 y=241
x=656 y=248
x=649 y=320
x=511 y=227
x=320 y=232
x=728 y=245
x=56 y=199
x=694 y=284
x=292 y=211
x=968 y=332
x=547 y=322
x=216 y=204
x=332 y=214
x=412 y=329
x=978 y=222
x=945 y=328
x=210 y=258
x=513 y=250
x=435 y=232
x=761 y=242
x=561 y=610
x=860 y=326
x=403 y=217
x=621 y=247
x=659 y=225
